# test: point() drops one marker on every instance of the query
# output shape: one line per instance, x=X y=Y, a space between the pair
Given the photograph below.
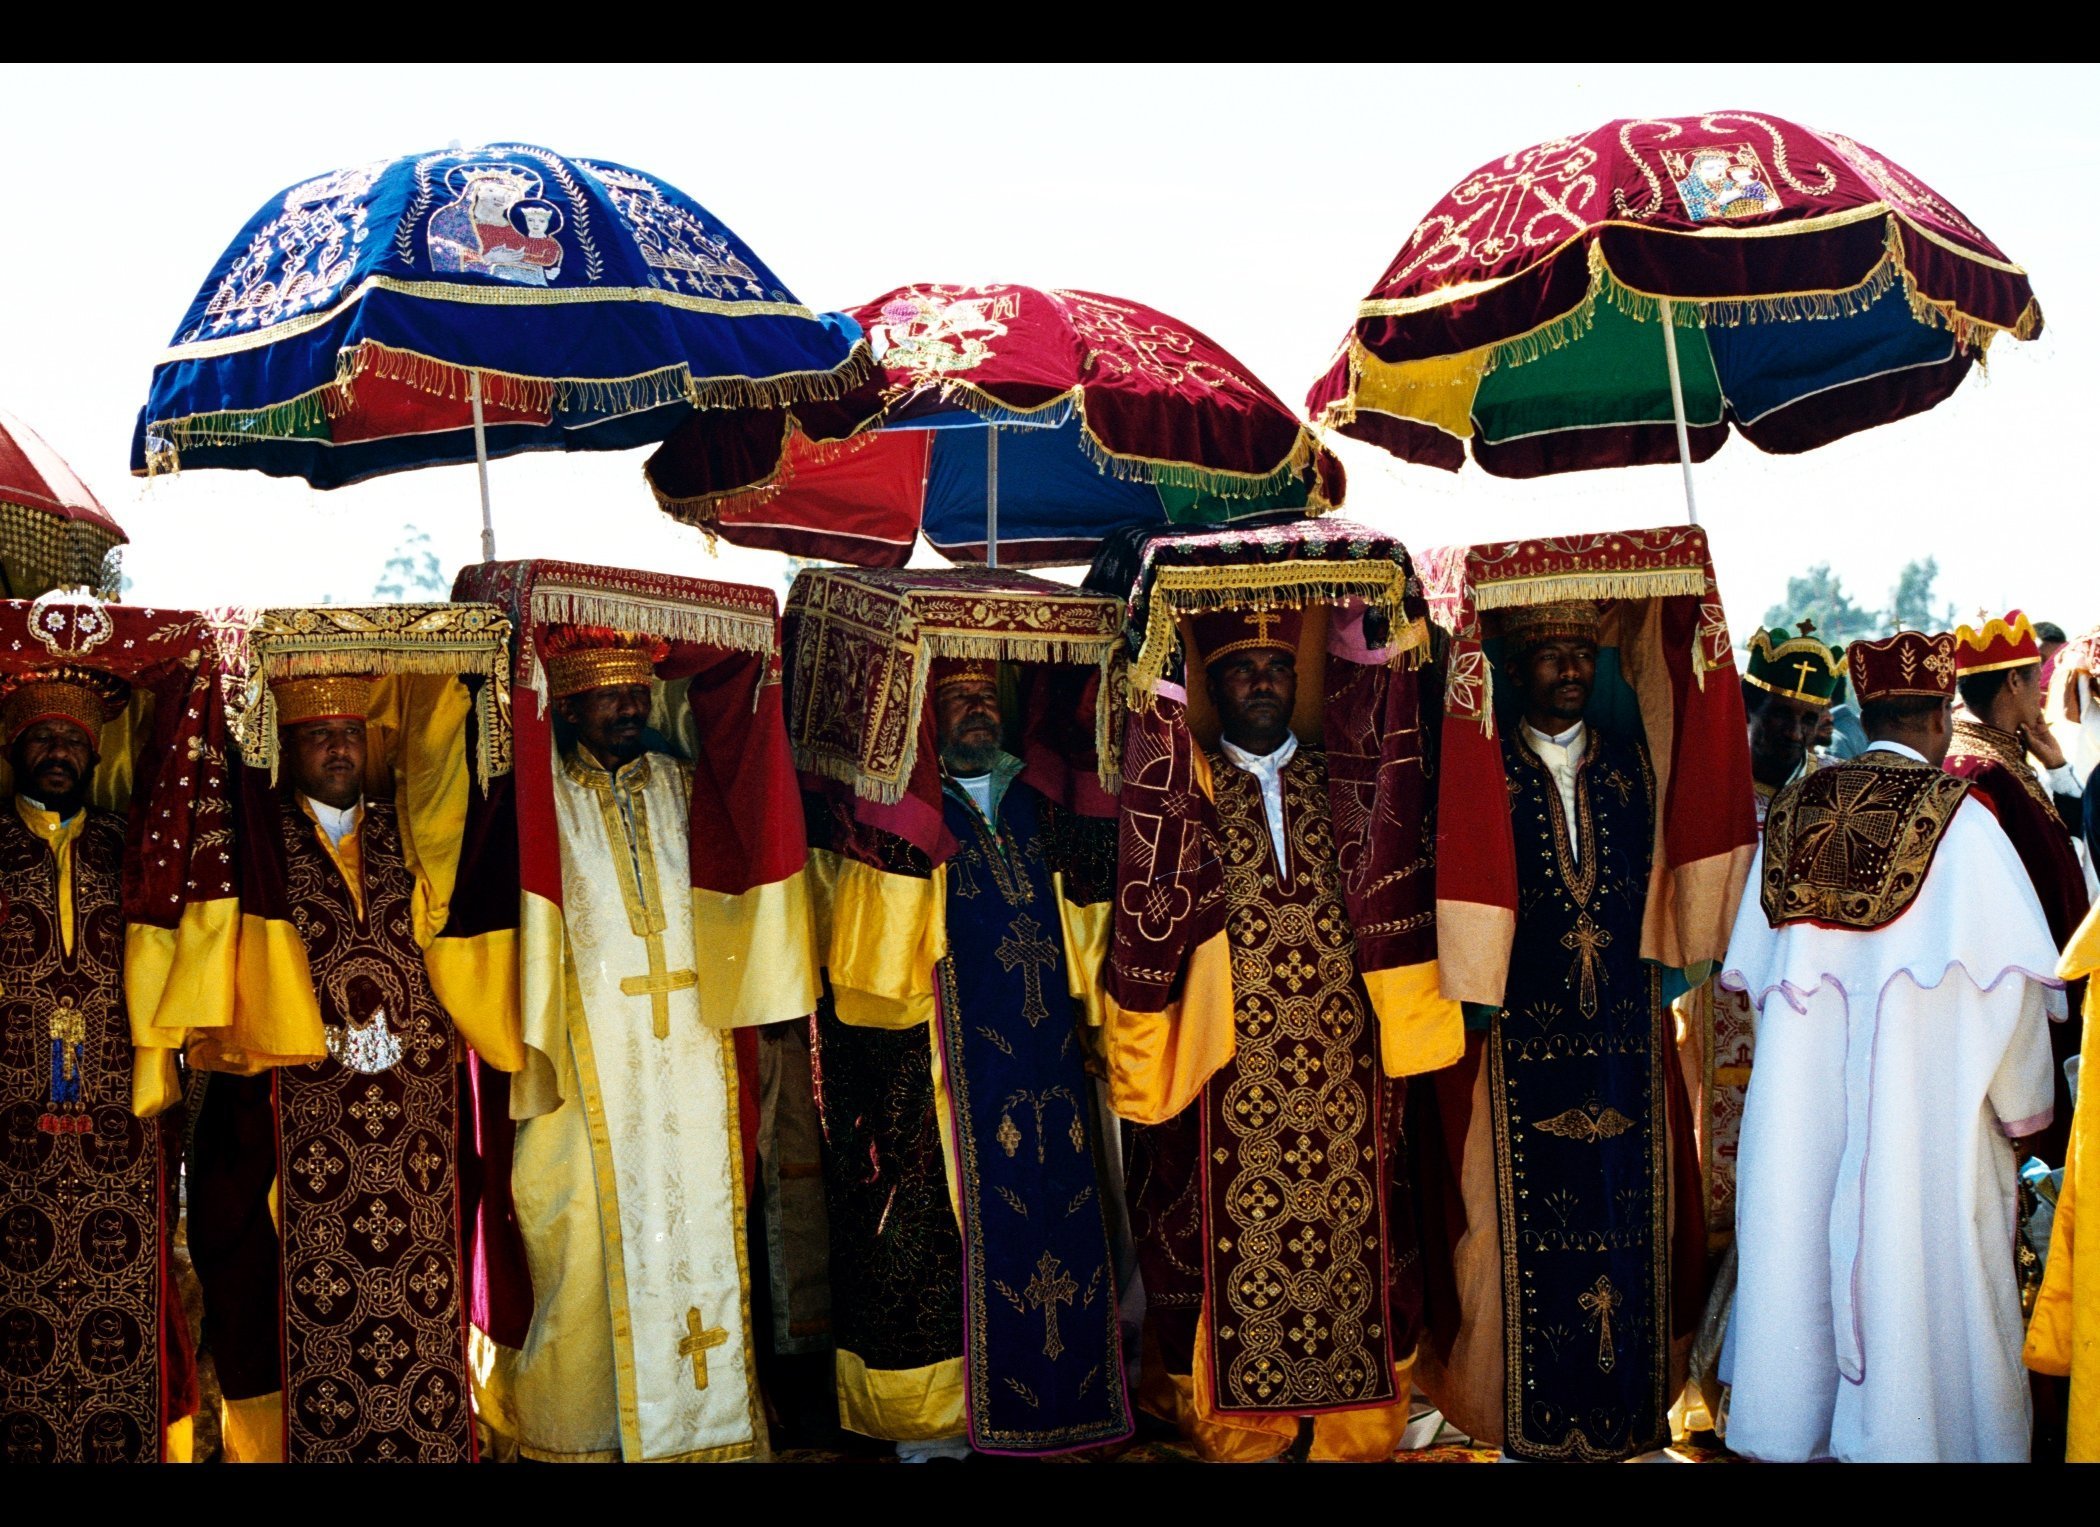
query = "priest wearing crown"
x=630 y=1193
x=1998 y=671
x=91 y=1333
x=1301 y=1293
x=1901 y=968
x=325 y=1203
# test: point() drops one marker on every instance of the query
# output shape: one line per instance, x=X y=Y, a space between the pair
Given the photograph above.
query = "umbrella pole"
x=1684 y=439
x=991 y=496
x=481 y=463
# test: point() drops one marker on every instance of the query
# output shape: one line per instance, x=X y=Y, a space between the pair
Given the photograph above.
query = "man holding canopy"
x=94 y=1352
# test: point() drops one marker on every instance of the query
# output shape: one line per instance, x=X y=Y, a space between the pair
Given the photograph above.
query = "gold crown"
x=571 y=673
x=83 y=696
x=1993 y=644
x=322 y=697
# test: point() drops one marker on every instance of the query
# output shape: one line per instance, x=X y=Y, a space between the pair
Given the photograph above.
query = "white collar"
x=1566 y=739
x=1262 y=763
x=336 y=821
x=1899 y=749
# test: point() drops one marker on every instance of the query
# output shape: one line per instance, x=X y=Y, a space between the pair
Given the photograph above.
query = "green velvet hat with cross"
x=1798 y=666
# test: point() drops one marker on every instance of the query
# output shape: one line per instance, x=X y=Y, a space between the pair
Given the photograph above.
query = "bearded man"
x=94 y=1349
x=1005 y=1339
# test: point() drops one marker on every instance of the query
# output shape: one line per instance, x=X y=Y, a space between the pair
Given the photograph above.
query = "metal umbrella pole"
x=991 y=496
x=481 y=460
x=1684 y=439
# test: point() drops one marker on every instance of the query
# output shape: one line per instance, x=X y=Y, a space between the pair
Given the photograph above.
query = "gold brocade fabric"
x=1974 y=740
x=1849 y=846
x=1296 y=1317
x=374 y=1343
x=81 y=1206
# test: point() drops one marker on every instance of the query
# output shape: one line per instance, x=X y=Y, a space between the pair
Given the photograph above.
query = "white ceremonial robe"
x=630 y=1195
x=1877 y=1312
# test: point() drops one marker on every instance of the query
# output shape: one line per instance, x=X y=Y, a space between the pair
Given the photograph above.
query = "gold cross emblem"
x=1801 y=684
x=658 y=984
x=1598 y=1304
x=1050 y=1287
x=700 y=1339
x=1026 y=947
x=1588 y=941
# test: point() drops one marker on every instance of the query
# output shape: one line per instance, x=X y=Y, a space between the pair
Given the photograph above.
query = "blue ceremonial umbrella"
x=453 y=306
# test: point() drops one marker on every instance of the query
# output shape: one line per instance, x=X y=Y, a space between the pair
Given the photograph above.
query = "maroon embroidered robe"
x=94 y=1354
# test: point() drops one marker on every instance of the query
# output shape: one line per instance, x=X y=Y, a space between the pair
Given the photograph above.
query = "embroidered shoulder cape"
x=1849 y=846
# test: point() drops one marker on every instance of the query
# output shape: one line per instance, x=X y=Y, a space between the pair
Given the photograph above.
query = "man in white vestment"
x=630 y=1194
x=1902 y=974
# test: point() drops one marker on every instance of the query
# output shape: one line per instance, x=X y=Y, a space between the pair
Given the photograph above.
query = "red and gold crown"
x=322 y=697
x=2007 y=643
x=950 y=671
x=1223 y=633
x=1525 y=626
x=1908 y=665
x=86 y=697
x=581 y=658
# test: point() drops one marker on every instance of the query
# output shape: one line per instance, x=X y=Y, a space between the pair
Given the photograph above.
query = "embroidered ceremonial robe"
x=1902 y=974
x=980 y=1299
x=1278 y=1274
x=630 y=1195
x=94 y=1350
x=1995 y=763
x=352 y=1284
x=1577 y=1072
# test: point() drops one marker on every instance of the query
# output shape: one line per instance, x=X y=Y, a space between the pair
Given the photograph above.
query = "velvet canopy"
x=1816 y=289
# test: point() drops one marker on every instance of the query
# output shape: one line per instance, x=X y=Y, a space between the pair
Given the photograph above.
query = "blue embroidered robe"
x=1577 y=1089
x=1044 y=1368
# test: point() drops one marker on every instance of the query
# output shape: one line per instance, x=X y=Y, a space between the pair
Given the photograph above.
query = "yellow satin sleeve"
x=1419 y=1029
x=880 y=937
x=1158 y=1062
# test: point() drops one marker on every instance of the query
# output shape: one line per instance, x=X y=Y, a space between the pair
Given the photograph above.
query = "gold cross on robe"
x=1026 y=947
x=658 y=984
x=700 y=1339
x=1588 y=941
x=1598 y=1304
x=1050 y=1287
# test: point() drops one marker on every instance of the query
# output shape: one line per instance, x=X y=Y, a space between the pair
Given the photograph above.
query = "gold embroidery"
x=1850 y=845
x=700 y=1338
x=636 y=871
x=1598 y=1304
x=1009 y=1138
x=1597 y=1124
x=1972 y=739
x=1050 y=1287
x=1027 y=948
x=1589 y=942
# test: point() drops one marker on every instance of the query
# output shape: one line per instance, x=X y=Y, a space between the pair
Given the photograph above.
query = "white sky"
x=1258 y=204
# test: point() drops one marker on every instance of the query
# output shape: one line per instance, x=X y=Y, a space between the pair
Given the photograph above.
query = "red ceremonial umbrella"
x=1012 y=425
x=53 y=533
x=1626 y=295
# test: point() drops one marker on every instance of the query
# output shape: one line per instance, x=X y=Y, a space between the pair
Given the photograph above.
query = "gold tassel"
x=1630 y=583
x=1178 y=591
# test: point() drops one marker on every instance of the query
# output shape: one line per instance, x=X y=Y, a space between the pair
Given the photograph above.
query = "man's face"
x=327 y=759
x=1255 y=693
x=966 y=715
x=609 y=721
x=1556 y=678
x=53 y=762
x=1780 y=733
x=2024 y=686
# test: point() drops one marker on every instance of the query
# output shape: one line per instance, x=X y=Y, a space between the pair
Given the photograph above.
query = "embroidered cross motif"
x=1050 y=1287
x=1027 y=948
x=1598 y=1304
x=1588 y=941
x=1802 y=668
x=700 y=1338
x=658 y=984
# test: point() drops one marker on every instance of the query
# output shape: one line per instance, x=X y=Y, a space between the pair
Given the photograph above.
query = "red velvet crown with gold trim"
x=950 y=671
x=580 y=658
x=2007 y=643
x=1221 y=633
x=1908 y=665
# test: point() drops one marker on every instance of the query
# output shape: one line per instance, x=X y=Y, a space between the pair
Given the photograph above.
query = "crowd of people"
x=606 y=1075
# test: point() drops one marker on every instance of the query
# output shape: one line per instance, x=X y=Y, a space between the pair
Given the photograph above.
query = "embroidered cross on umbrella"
x=1013 y=425
x=469 y=303
x=1626 y=295
x=54 y=534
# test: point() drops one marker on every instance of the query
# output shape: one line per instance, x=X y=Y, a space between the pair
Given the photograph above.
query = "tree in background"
x=1819 y=595
x=413 y=574
x=1910 y=601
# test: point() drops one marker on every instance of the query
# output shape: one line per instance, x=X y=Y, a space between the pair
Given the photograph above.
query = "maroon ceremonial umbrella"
x=1011 y=425
x=53 y=532
x=1629 y=294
